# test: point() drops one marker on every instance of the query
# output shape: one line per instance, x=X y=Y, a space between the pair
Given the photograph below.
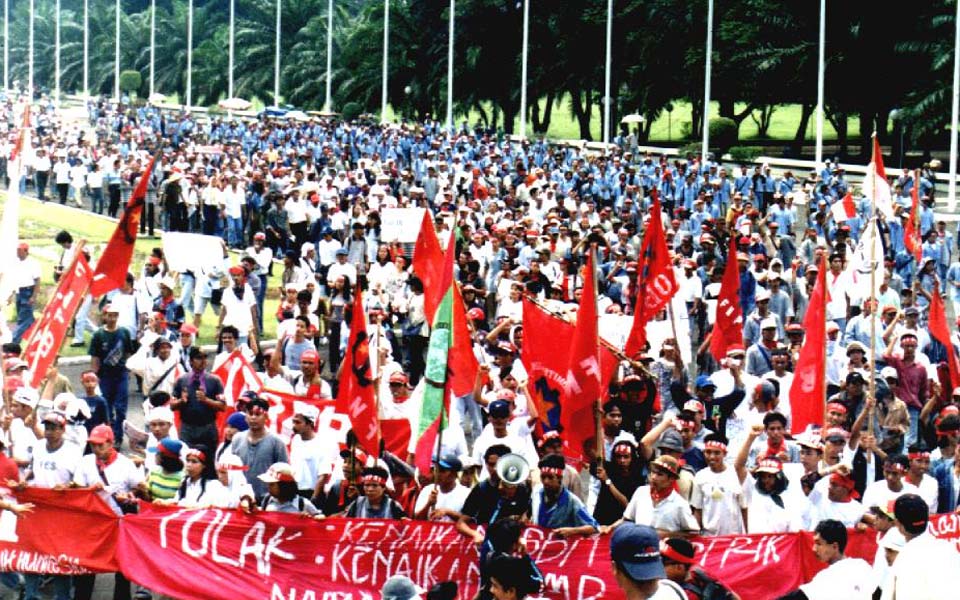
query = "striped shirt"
x=163 y=486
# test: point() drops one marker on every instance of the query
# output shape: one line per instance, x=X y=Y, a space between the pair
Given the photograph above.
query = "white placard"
x=616 y=329
x=192 y=251
x=400 y=224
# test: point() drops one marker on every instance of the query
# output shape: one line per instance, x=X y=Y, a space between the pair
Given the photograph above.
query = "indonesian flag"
x=940 y=331
x=428 y=264
x=115 y=262
x=357 y=395
x=912 y=237
x=436 y=394
x=283 y=406
x=656 y=283
x=728 y=329
x=808 y=390
x=583 y=391
x=10 y=223
x=238 y=376
x=875 y=185
x=845 y=209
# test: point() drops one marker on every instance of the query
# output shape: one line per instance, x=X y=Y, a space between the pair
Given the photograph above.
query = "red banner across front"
x=273 y=555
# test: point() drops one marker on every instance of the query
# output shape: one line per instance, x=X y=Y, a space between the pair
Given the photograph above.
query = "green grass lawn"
x=40 y=223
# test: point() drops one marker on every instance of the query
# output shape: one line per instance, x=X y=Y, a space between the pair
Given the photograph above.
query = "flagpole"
x=523 y=69
x=276 y=60
x=704 y=151
x=153 y=41
x=189 y=53
x=954 y=110
x=328 y=101
x=874 y=232
x=826 y=340
x=386 y=58
x=116 y=51
x=35 y=330
x=56 y=56
x=86 y=49
x=821 y=68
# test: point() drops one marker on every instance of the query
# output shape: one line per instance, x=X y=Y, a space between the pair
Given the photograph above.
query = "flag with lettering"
x=912 y=237
x=728 y=328
x=808 y=390
x=357 y=394
x=656 y=282
x=114 y=263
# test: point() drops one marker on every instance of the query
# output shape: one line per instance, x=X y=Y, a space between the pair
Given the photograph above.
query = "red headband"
x=918 y=455
x=683 y=424
x=551 y=471
x=373 y=479
x=623 y=450
x=836 y=407
x=715 y=445
x=197 y=453
x=895 y=467
x=666 y=551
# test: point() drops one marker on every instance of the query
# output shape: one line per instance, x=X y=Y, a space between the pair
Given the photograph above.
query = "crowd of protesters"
x=301 y=202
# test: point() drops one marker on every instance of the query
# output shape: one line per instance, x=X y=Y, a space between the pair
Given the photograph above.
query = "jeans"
x=40 y=179
x=114 y=389
x=234 y=231
x=262 y=295
x=96 y=200
x=114 y=207
x=61 y=586
x=82 y=323
x=914 y=424
x=84 y=587
x=25 y=316
x=187 y=284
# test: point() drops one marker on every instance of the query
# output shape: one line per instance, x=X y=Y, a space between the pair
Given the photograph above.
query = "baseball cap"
x=671 y=440
x=889 y=373
x=188 y=328
x=499 y=409
x=27 y=395
x=238 y=421
x=912 y=512
x=311 y=356
x=768 y=465
x=101 y=434
x=636 y=550
x=56 y=417
x=703 y=381
x=400 y=587
x=278 y=472
x=398 y=377
x=169 y=447
x=893 y=540
x=768 y=323
x=449 y=463
x=693 y=406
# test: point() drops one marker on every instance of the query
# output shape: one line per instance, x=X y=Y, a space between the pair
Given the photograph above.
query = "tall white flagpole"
x=56 y=55
x=6 y=45
x=276 y=60
x=328 y=101
x=190 y=53
x=386 y=53
x=450 y=41
x=708 y=60
x=230 y=50
x=952 y=187
x=116 y=52
x=523 y=70
x=86 y=48
x=821 y=68
x=606 y=76
x=30 y=57
x=153 y=42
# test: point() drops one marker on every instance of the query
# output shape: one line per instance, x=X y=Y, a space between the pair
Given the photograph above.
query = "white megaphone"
x=513 y=469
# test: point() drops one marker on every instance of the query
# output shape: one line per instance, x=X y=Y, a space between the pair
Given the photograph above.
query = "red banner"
x=47 y=334
x=728 y=329
x=273 y=555
x=808 y=391
x=69 y=532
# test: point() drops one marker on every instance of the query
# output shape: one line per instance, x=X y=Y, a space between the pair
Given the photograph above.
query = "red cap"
x=188 y=328
x=310 y=356
x=154 y=260
x=237 y=270
x=101 y=434
x=23 y=246
x=476 y=314
x=259 y=236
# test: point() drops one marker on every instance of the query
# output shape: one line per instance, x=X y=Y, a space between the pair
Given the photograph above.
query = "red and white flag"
x=875 y=184
x=844 y=209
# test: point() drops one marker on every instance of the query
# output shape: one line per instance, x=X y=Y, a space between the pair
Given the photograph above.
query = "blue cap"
x=168 y=446
x=499 y=409
x=449 y=463
x=636 y=550
x=238 y=421
x=703 y=381
x=342 y=252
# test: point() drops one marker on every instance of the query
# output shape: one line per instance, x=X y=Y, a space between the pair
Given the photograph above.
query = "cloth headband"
x=551 y=471
x=666 y=551
x=918 y=455
x=197 y=454
x=623 y=450
x=715 y=445
x=373 y=479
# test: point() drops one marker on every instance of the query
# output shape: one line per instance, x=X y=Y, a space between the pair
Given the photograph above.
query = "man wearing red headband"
x=892 y=486
x=917 y=476
x=554 y=507
x=718 y=502
x=374 y=503
x=840 y=503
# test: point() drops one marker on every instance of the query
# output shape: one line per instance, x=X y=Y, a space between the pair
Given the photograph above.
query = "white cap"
x=160 y=413
x=888 y=372
x=71 y=406
x=27 y=395
x=169 y=282
x=306 y=410
x=768 y=323
x=893 y=540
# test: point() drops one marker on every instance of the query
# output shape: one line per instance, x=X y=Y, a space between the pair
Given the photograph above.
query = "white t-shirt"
x=928 y=491
x=720 y=496
x=926 y=568
x=312 y=458
x=54 y=468
x=765 y=516
x=212 y=493
x=452 y=500
x=848 y=578
x=879 y=493
x=848 y=513
x=122 y=477
x=237 y=310
x=672 y=514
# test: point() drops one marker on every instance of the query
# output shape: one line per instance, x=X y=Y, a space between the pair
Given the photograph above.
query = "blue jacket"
x=947 y=494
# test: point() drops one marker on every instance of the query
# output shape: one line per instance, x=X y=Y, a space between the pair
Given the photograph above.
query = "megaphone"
x=513 y=469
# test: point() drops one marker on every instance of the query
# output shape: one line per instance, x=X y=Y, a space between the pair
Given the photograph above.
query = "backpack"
x=706 y=587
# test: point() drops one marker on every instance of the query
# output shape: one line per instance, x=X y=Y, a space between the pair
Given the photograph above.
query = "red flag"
x=845 y=209
x=115 y=261
x=47 y=334
x=462 y=363
x=656 y=281
x=808 y=391
x=728 y=329
x=578 y=411
x=428 y=265
x=912 y=237
x=940 y=331
x=356 y=397
x=238 y=376
x=545 y=355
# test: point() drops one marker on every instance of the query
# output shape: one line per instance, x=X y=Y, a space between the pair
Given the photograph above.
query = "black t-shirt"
x=195 y=412
x=112 y=348
x=485 y=505
x=608 y=510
